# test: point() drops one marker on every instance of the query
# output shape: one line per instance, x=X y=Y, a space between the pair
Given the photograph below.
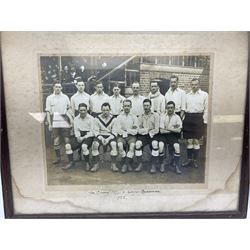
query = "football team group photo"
x=125 y=119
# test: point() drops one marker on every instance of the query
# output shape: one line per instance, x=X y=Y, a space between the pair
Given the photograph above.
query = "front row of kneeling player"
x=126 y=135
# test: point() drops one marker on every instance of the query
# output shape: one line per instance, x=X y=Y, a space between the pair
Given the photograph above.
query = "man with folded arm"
x=105 y=135
x=148 y=129
x=127 y=128
x=170 y=128
x=84 y=136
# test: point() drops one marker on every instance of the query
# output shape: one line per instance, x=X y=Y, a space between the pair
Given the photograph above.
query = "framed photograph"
x=125 y=124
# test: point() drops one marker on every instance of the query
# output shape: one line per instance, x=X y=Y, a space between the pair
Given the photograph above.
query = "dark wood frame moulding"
x=7 y=185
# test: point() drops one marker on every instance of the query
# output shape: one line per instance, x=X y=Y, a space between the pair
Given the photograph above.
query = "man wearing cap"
x=195 y=121
x=116 y=101
x=148 y=129
x=82 y=73
x=127 y=128
x=157 y=99
x=84 y=136
x=136 y=100
x=97 y=99
x=73 y=75
x=65 y=74
x=57 y=106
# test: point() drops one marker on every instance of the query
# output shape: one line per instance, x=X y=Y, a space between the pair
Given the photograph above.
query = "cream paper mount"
x=34 y=195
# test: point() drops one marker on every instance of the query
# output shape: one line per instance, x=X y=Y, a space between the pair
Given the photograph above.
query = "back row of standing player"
x=157 y=120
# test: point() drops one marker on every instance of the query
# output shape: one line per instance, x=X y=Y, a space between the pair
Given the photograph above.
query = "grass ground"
x=78 y=176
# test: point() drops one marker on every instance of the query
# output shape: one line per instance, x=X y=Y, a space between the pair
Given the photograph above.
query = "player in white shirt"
x=195 y=121
x=127 y=128
x=97 y=99
x=116 y=101
x=137 y=100
x=177 y=95
x=105 y=135
x=157 y=99
x=170 y=128
x=58 y=118
x=84 y=136
x=148 y=129
x=79 y=97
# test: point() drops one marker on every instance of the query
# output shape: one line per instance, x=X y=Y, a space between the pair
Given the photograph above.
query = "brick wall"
x=185 y=75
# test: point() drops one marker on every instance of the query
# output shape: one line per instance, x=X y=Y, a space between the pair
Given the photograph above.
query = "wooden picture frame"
x=7 y=174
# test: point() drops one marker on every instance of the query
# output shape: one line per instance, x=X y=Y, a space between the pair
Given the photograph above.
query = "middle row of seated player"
x=126 y=135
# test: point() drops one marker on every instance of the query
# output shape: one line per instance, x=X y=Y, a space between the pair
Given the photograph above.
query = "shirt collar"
x=119 y=96
x=83 y=93
x=158 y=93
x=174 y=114
x=101 y=116
x=87 y=116
x=101 y=94
x=197 y=92
x=123 y=113
x=151 y=113
x=170 y=90
x=139 y=96
x=57 y=95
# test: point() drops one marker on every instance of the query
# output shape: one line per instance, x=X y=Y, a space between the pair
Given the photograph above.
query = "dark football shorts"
x=76 y=145
x=64 y=132
x=193 y=126
x=170 y=138
x=146 y=139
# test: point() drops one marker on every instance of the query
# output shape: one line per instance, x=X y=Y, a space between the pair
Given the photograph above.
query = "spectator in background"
x=73 y=75
x=49 y=73
x=44 y=76
x=82 y=73
x=90 y=86
x=65 y=74
x=54 y=79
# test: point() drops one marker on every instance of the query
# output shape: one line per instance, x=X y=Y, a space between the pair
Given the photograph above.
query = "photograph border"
x=74 y=54
x=7 y=183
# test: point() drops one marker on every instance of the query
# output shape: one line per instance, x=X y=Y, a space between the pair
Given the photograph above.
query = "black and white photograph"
x=125 y=119
x=125 y=124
